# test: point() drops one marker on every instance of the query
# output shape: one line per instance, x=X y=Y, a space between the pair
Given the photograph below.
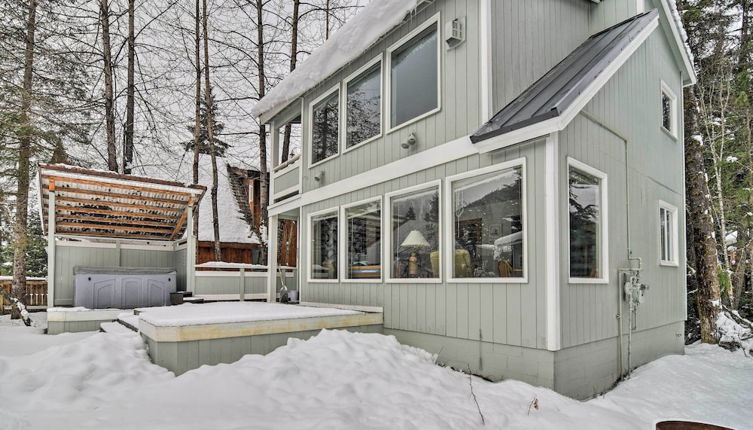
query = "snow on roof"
x=233 y=227
x=232 y=312
x=350 y=41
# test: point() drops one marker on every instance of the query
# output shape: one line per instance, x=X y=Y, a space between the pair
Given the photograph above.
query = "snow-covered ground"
x=337 y=380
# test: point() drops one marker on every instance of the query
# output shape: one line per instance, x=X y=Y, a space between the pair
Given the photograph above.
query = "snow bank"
x=232 y=312
x=343 y=380
x=350 y=41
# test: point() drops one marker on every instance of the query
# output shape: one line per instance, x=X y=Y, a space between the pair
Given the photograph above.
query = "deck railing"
x=286 y=179
x=236 y=281
x=36 y=291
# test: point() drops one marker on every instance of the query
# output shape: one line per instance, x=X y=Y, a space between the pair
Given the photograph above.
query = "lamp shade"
x=415 y=240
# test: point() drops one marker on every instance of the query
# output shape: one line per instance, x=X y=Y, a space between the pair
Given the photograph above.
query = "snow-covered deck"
x=191 y=322
x=185 y=337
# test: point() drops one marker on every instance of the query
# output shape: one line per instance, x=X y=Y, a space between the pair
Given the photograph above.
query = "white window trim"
x=674 y=238
x=310 y=118
x=335 y=211
x=344 y=242
x=434 y=20
x=665 y=89
x=344 y=103
x=387 y=229
x=449 y=252
x=585 y=168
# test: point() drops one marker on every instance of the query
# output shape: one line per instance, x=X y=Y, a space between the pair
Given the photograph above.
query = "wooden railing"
x=36 y=291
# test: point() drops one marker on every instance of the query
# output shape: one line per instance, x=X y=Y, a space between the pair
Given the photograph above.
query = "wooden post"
x=242 y=284
x=190 y=250
x=272 y=259
x=51 y=213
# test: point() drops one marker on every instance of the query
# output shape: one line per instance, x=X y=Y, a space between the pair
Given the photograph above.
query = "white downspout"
x=51 y=246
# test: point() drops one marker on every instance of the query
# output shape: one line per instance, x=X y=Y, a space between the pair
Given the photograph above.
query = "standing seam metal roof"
x=551 y=95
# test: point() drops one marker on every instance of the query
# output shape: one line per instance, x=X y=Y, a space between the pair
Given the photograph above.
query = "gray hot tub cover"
x=87 y=270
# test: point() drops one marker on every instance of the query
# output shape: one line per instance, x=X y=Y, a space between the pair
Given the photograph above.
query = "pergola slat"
x=117 y=221
x=116 y=213
x=115 y=227
x=113 y=235
x=119 y=195
x=104 y=183
x=118 y=204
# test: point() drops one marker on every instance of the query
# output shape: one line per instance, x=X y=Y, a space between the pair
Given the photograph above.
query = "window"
x=363 y=120
x=668 y=110
x=324 y=127
x=323 y=262
x=290 y=137
x=414 y=242
x=414 y=76
x=587 y=222
x=488 y=225
x=363 y=233
x=667 y=234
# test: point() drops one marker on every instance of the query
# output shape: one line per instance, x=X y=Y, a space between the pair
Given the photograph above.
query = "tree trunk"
x=293 y=60
x=24 y=154
x=197 y=111
x=327 y=25
x=104 y=18
x=130 y=93
x=708 y=297
x=210 y=138
x=264 y=183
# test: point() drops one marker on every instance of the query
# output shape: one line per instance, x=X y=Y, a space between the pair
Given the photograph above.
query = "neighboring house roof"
x=237 y=177
x=551 y=102
x=232 y=221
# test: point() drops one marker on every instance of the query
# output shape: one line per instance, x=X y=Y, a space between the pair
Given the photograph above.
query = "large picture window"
x=325 y=115
x=586 y=223
x=414 y=77
x=364 y=106
x=363 y=231
x=323 y=263
x=488 y=225
x=414 y=233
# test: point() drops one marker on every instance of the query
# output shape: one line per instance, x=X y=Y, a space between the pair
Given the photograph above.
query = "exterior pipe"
x=620 y=283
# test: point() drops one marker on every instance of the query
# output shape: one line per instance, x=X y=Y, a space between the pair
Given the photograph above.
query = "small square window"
x=667 y=234
x=668 y=110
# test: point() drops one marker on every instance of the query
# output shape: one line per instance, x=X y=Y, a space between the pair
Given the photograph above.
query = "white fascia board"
x=559 y=123
x=687 y=62
x=445 y=153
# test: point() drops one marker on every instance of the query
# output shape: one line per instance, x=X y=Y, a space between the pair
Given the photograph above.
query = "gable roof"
x=551 y=102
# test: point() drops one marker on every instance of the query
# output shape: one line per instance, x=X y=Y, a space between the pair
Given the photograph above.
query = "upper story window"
x=325 y=114
x=667 y=234
x=668 y=110
x=488 y=224
x=414 y=75
x=363 y=104
x=587 y=223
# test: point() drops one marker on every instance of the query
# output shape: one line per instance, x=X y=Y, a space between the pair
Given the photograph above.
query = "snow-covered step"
x=129 y=320
x=115 y=328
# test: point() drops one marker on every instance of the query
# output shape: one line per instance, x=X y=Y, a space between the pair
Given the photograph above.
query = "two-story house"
x=494 y=175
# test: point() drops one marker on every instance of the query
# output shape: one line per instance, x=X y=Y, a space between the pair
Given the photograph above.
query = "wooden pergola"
x=95 y=206
x=99 y=204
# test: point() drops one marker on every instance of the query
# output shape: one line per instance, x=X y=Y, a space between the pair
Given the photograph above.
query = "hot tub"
x=122 y=287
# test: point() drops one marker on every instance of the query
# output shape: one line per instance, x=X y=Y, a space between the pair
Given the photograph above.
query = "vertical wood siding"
x=504 y=313
x=629 y=104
